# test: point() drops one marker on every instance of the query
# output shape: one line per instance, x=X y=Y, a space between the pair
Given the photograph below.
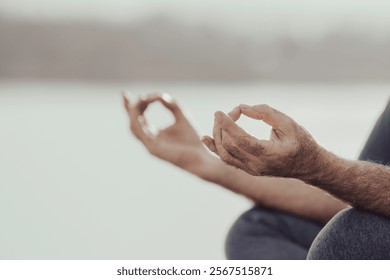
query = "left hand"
x=178 y=144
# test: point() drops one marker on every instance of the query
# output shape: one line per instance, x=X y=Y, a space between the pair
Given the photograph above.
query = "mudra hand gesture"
x=179 y=143
x=290 y=152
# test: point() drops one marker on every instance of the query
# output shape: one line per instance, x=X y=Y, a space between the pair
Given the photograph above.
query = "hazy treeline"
x=161 y=49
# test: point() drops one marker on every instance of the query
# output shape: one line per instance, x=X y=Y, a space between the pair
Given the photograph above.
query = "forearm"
x=292 y=152
x=289 y=195
x=362 y=184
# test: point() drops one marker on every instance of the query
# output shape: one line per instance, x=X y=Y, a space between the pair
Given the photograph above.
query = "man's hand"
x=290 y=152
x=178 y=143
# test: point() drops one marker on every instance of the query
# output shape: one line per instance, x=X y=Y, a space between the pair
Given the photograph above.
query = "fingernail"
x=129 y=96
x=124 y=94
x=167 y=97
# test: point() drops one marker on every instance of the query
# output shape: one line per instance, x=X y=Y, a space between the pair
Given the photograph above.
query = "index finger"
x=166 y=100
x=263 y=112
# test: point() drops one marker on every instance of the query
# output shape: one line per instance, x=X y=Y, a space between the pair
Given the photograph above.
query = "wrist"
x=218 y=172
x=210 y=168
x=324 y=166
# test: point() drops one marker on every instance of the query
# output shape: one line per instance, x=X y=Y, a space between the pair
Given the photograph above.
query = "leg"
x=262 y=233
x=353 y=235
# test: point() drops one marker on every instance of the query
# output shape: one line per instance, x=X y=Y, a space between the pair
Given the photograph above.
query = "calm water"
x=75 y=184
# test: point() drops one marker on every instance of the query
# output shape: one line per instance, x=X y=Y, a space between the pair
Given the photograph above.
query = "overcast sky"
x=299 y=17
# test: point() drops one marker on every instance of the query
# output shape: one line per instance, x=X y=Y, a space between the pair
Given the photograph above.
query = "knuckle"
x=257 y=149
x=251 y=163
x=253 y=147
x=233 y=150
x=259 y=146
x=254 y=171
x=262 y=107
x=267 y=107
x=226 y=142
x=224 y=155
x=244 y=142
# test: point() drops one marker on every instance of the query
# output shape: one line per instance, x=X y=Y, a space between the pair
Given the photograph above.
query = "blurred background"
x=74 y=184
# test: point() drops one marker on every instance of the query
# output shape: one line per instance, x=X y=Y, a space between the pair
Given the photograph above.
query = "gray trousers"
x=267 y=234
x=262 y=233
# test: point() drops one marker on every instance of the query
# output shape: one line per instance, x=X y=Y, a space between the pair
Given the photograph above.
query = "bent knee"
x=263 y=233
x=245 y=233
x=353 y=234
